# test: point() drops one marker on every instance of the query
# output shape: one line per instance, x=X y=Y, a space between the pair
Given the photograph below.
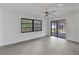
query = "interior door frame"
x=57 y=27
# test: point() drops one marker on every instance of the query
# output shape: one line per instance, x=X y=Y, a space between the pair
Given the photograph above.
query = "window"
x=30 y=25
x=37 y=25
x=26 y=25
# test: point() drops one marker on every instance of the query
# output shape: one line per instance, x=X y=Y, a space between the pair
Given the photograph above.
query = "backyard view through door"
x=58 y=28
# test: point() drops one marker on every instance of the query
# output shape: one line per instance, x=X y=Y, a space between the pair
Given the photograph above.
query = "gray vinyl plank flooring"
x=42 y=46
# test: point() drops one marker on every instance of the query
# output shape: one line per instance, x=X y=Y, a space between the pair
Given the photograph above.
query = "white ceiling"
x=39 y=8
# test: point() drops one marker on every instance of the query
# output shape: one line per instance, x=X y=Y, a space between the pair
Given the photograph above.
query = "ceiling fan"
x=47 y=13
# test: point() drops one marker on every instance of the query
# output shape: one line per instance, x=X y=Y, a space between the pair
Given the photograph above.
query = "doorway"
x=58 y=28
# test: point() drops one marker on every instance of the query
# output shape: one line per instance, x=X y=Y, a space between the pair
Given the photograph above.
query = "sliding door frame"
x=57 y=27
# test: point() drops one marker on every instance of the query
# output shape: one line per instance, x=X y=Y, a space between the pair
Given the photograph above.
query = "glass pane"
x=54 y=28
x=61 y=29
x=37 y=29
x=27 y=25
x=26 y=21
x=37 y=25
x=37 y=21
x=26 y=29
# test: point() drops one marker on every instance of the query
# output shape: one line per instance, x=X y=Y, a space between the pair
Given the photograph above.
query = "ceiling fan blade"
x=47 y=13
x=51 y=14
x=52 y=11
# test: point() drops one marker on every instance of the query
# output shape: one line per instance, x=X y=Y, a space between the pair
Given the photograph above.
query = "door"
x=58 y=28
x=54 y=28
x=61 y=29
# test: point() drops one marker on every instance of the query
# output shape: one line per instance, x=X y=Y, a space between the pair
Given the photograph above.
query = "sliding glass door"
x=54 y=28
x=61 y=29
x=58 y=28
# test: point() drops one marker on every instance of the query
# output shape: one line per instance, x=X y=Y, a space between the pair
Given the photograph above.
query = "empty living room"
x=39 y=28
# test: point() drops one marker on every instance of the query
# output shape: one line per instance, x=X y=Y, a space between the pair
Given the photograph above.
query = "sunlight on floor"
x=56 y=41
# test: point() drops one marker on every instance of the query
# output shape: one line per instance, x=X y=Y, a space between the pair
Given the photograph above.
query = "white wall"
x=48 y=26
x=72 y=26
x=11 y=27
x=0 y=24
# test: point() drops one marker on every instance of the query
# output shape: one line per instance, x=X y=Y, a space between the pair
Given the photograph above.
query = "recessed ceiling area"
x=39 y=8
